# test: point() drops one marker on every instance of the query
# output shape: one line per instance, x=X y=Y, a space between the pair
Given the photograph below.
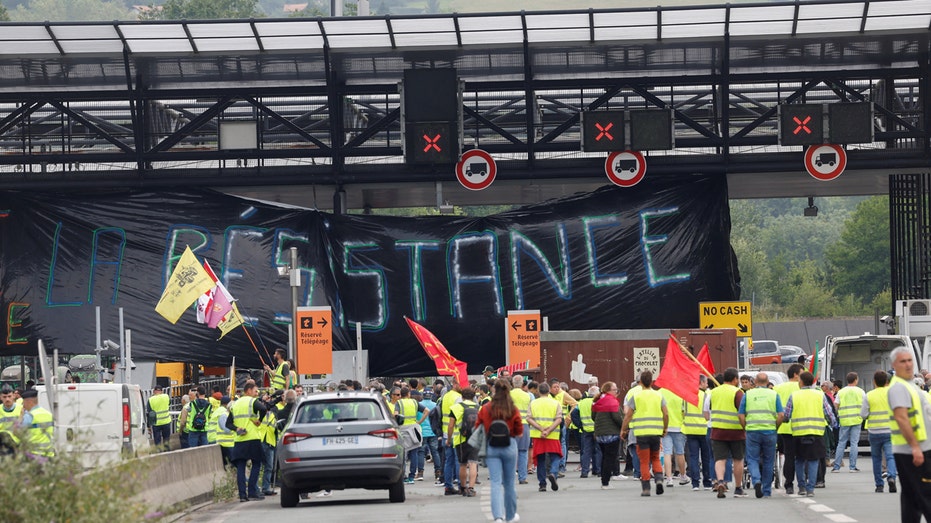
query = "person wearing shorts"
x=727 y=435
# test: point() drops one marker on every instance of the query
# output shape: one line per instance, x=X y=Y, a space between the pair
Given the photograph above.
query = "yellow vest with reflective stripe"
x=648 y=413
x=222 y=436
x=723 y=410
x=407 y=410
x=849 y=403
x=279 y=380
x=674 y=409
x=880 y=416
x=585 y=413
x=39 y=434
x=158 y=403
x=808 y=413
x=522 y=401
x=244 y=418
x=544 y=410
x=449 y=399
x=760 y=409
x=914 y=416
x=694 y=422
x=458 y=410
x=267 y=430
x=9 y=419
x=785 y=390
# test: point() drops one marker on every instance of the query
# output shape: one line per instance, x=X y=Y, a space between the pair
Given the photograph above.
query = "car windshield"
x=364 y=409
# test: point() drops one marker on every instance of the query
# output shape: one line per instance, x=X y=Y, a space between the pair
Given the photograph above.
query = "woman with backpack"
x=502 y=422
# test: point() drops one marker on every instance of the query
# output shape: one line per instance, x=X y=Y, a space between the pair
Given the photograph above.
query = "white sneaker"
x=325 y=494
x=669 y=482
x=498 y=520
x=619 y=477
x=516 y=518
x=696 y=489
x=607 y=487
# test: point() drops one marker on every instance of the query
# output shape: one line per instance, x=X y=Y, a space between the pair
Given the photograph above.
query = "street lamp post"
x=295 y=277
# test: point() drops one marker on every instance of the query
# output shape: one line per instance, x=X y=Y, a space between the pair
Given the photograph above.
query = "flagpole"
x=693 y=358
x=257 y=333
x=253 y=344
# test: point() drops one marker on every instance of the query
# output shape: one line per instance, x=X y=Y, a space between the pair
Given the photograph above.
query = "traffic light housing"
x=602 y=131
x=801 y=124
x=651 y=130
x=850 y=122
x=431 y=116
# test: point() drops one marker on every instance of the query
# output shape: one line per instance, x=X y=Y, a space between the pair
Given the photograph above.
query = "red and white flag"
x=214 y=304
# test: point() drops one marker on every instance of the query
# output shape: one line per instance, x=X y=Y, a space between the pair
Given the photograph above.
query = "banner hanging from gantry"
x=616 y=258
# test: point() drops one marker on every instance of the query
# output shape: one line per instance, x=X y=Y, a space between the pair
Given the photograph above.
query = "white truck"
x=104 y=422
x=863 y=354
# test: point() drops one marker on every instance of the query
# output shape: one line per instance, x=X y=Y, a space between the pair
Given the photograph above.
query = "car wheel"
x=396 y=491
x=289 y=497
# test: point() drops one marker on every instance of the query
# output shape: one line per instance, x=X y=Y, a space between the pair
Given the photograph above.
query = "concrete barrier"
x=181 y=477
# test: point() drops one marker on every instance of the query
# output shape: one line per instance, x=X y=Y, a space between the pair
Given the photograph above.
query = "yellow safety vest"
x=761 y=409
x=674 y=409
x=279 y=380
x=694 y=422
x=849 y=403
x=808 y=413
x=192 y=411
x=880 y=416
x=449 y=399
x=268 y=431
x=159 y=405
x=407 y=410
x=914 y=415
x=543 y=410
x=9 y=419
x=648 y=413
x=245 y=418
x=223 y=436
x=522 y=401
x=458 y=410
x=723 y=410
x=39 y=434
x=585 y=413
x=785 y=390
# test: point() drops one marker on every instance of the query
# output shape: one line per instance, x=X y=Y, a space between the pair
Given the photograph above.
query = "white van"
x=101 y=421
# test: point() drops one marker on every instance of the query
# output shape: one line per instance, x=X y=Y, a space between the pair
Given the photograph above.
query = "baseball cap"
x=488 y=368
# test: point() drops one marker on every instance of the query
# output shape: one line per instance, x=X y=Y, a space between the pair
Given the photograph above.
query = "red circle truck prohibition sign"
x=476 y=170
x=825 y=162
x=625 y=168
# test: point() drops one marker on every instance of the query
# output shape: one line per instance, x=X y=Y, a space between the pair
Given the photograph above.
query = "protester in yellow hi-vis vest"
x=282 y=371
x=160 y=418
x=451 y=462
x=545 y=419
x=225 y=437
x=590 y=452
x=244 y=418
x=786 y=443
x=10 y=412
x=878 y=416
x=647 y=415
x=849 y=401
x=727 y=436
x=522 y=398
x=911 y=446
x=810 y=412
x=674 y=440
x=269 y=432
x=463 y=415
x=37 y=427
x=761 y=413
x=695 y=428
x=409 y=411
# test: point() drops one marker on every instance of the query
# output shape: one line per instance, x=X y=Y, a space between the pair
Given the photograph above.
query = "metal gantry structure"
x=97 y=105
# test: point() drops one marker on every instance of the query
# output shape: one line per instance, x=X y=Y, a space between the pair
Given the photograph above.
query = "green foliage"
x=71 y=10
x=4 y=14
x=59 y=490
x=226 y=489
x=858 y=263
x=205 y=10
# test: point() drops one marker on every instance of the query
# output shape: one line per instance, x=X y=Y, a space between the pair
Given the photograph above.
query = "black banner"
x=617 y=258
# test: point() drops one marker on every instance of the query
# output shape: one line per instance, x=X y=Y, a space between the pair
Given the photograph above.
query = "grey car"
x=340 y=440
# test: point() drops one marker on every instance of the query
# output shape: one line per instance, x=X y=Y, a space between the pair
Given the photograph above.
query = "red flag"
x=679 y=374
x=446 y=364
x=704 y=357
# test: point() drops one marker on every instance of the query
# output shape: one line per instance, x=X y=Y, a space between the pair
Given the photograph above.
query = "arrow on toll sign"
x=515 y=325
x=322 y=322
x=741 y=327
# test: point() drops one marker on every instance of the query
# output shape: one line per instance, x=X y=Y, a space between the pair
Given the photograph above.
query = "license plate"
x=341 y=440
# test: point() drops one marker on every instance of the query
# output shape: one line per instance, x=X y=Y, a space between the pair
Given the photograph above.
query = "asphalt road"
x=848 y=497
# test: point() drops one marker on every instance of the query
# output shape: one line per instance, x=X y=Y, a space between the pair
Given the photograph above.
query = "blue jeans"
x=849 y=434
x=761 y=457
x=269 y=466
x=161 y=435
x=450 y=466
x=698 y=447
x=634 y=460
x=803 y=469
x=523 y=453
x=880 y=444
x=196 y=439
x=564 y=439
x=591 y=454
x=430 y=444
x=502 y=462
x=542 y=469
x=248 y=451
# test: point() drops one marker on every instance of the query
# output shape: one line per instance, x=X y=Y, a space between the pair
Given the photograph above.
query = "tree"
x=206 y=10
x=71 y=10
x=4 y=15
x=858 y=263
